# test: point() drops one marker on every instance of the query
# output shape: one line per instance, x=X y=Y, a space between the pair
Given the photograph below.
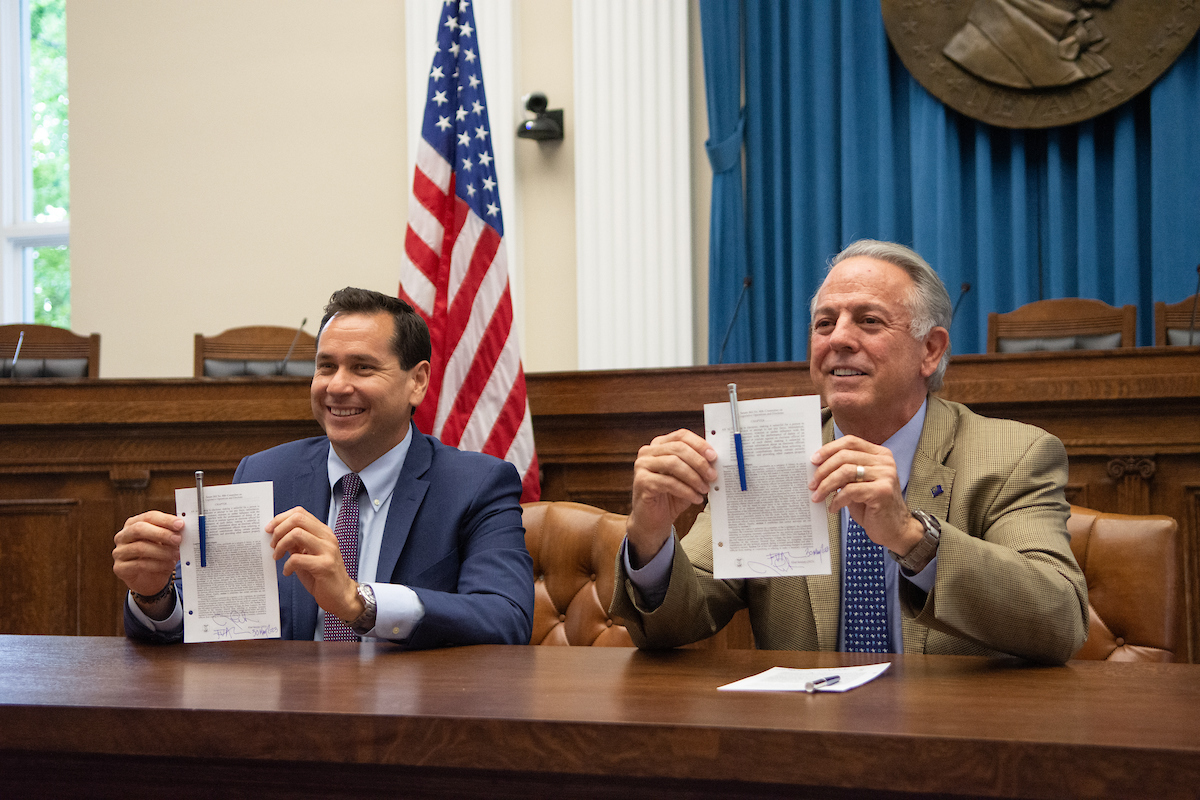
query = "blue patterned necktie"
x=866 y=596
x=346 y=530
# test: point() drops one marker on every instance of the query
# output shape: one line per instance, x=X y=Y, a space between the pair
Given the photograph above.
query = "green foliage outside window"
x=51 y=167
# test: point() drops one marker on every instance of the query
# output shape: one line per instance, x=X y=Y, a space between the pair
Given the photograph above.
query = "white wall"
x=236 y=161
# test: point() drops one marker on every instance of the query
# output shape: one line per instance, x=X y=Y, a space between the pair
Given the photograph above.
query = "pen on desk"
x=737 y=434
x=812 y=686
x=200 y=515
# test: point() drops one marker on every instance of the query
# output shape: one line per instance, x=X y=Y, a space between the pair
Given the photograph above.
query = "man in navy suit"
x=442 y=558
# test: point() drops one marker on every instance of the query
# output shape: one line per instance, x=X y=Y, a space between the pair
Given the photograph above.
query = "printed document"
x=236 y=596
x=772 y=528
x=786 y=679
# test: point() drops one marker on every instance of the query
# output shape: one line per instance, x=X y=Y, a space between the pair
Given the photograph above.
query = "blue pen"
x=737 y=434
x=200 y=514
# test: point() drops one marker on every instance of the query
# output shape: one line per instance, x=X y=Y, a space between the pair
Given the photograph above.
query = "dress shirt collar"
x=380 y=476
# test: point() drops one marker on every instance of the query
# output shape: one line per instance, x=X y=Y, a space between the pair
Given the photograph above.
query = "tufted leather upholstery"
x=574 y=549
x=1132 y=578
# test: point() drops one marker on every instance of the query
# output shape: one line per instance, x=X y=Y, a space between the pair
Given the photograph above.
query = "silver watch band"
x=365 y=622
x=924 y=551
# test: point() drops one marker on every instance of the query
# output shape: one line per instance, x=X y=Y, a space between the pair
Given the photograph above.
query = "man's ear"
x=936 y=342
x=418 y=382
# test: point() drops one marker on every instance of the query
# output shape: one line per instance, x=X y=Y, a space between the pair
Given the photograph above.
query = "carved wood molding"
x=47 y=506
x=129 y=479
x=1129 y=466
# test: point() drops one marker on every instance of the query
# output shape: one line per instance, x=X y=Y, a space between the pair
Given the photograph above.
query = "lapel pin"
x=937 y=490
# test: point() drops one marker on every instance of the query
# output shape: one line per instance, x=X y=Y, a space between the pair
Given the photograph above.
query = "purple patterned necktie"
x=346 y=530
x=866 y=596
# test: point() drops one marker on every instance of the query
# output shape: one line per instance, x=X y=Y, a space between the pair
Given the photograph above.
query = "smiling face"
x=867 y=366
x=360 y=395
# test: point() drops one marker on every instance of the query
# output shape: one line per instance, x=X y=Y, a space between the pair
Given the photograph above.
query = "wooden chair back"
x=48 y=352
x=1173 y=322
x=254 y=350
x=1068 y=323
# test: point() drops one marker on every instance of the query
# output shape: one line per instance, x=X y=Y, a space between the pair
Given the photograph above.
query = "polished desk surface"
x=931 y=724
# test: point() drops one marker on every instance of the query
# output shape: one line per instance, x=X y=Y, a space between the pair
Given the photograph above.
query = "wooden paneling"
x=1130 y=420
x=40 y=565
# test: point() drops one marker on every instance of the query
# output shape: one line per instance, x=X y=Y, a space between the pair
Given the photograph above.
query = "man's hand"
x=876 y=502
x=313 y=556
x=146 y=551
x=670 y=474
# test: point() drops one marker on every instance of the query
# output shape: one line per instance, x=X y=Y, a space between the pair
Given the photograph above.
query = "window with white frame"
x=35 y=267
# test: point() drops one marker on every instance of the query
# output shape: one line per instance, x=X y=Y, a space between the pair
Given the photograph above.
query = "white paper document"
x=236 y=596
x=772 y=528
x=786 y=679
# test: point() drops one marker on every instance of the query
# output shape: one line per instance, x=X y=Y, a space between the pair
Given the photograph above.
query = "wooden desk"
x=103 y=717
x=79 y=457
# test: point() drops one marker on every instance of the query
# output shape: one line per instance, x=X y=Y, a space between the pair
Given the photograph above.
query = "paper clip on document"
x=737 y=435
x=200 y=516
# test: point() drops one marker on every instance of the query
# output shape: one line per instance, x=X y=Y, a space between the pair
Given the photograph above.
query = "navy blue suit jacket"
x=453 y=535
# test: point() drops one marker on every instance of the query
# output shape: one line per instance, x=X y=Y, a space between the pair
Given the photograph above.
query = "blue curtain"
x=721 y=36
x=841 y=143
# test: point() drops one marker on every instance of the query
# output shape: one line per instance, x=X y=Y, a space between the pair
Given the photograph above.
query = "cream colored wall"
x=546 y=190
x=235 y=161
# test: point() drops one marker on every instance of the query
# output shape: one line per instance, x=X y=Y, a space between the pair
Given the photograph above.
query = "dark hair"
x=410 y=339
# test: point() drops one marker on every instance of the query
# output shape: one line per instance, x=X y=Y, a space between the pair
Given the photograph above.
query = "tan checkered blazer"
x=1006 y=579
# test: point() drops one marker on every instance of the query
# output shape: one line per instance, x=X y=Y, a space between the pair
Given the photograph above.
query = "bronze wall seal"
x=1038 y=63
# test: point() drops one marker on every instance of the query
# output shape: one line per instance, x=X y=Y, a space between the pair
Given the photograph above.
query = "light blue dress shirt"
x=653 y=579
x=398 y=609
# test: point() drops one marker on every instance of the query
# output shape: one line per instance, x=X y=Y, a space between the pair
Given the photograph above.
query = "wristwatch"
x=365 y=621
x=919 y=557
x=149 y=599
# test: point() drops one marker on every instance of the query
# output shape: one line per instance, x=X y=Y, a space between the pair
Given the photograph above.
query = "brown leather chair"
x=1173 y=322
x=1068 y=323
x=574 y=549
x=1131 y=565
x=254 y=350
x=48 y=352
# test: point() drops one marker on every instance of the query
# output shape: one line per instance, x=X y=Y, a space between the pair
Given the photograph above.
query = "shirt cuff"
x=926 y=578
x=398 y=611
x=172 y=624
x=654 y=578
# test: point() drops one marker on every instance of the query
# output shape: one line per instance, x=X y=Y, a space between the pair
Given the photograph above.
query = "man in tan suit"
x=971 y=510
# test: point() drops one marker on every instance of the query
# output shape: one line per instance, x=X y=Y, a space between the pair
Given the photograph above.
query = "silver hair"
x=928 y=303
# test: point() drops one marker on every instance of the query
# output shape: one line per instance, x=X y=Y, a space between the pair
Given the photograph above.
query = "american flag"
x=456 y=271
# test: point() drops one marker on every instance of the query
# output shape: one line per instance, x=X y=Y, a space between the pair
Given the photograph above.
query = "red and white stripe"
x=456 y=275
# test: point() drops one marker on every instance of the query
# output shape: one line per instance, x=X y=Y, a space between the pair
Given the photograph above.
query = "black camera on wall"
x=546 y=125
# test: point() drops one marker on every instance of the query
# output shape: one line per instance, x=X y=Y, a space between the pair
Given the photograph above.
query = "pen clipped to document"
x=737 y=435
x=202 y=521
